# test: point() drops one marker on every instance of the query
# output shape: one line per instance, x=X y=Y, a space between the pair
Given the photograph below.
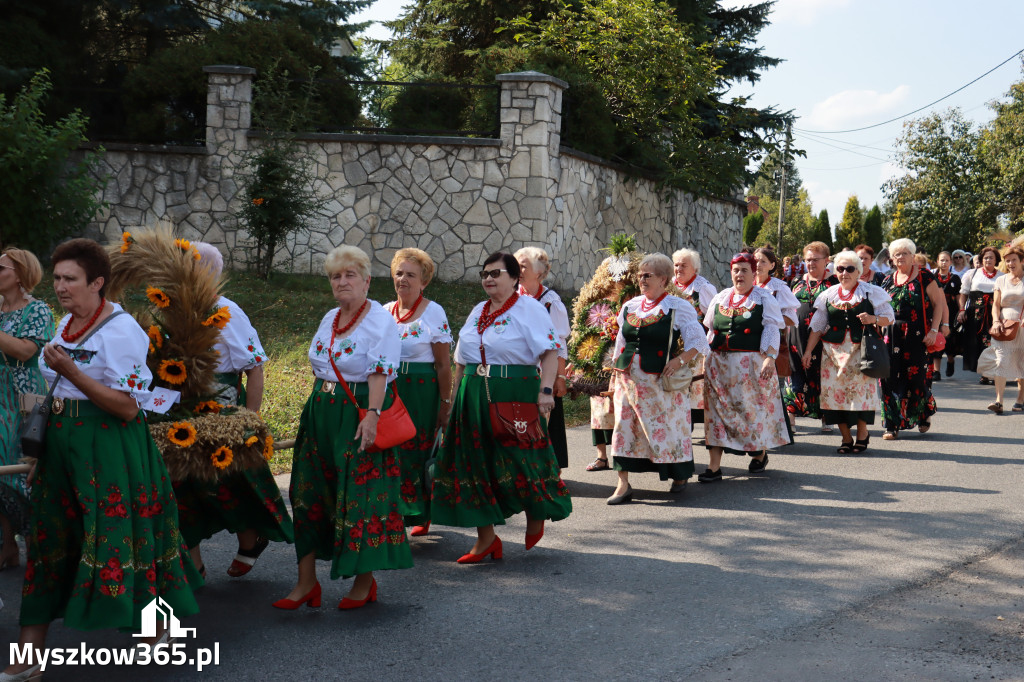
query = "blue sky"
x=853 y=63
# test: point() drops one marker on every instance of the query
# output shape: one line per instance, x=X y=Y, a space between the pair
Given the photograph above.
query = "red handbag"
x=514 y=423
x=394 y=426
x=940 y=340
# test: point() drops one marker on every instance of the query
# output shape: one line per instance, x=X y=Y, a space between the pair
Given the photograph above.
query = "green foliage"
x=620 y=244
x=941 y=199
x=752 y=225
x=850 y=230
x=797 y=224
x=768 y=181
x=45 y=194
x=278 y=198
x=873 y=228
x=1001 y=150
x=822 y=231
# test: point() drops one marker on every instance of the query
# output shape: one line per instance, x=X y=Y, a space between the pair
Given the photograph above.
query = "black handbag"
x=874 y=355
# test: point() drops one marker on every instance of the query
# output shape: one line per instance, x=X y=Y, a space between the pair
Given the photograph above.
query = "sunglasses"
x=493 y=274
x=845 y=268
x=645 y=276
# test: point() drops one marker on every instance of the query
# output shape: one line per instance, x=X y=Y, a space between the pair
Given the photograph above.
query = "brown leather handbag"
x=1009 y=330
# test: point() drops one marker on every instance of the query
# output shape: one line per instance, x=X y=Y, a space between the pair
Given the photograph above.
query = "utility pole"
x=782 y=199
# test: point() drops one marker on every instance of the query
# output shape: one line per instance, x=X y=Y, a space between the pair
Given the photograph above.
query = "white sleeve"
x=123 y=350
x=772 y=322
x=620 y=340
x=706 y=295
x=965 y=283
x=787 y=301
x=819 y=322
x=239 y=344
x=560 y=323
x=709 y=313
x=881 y=302
x=386 y=357
x=440 y=331
x=686 y=321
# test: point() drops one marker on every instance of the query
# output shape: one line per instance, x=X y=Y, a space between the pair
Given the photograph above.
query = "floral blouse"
x=519 y=337
x=877 y=296
x=239 y=346
x=34 y=323
x=687 y=322
x=115 y=356
x=419 y=335
x=771 y=315
x=373 y=347
x=787 y=300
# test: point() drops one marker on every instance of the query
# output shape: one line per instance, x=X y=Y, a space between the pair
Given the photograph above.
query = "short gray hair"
x=901 y=245
x=688 y=254
x=660 y=265
x=538 y=258
x=847 y=257
x=346 y=256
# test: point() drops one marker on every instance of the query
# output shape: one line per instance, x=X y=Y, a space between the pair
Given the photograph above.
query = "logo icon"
x=158 y=612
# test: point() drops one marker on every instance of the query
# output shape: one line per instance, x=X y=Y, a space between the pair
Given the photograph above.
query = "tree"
x=1001 y=149
x=850 y=230
x=822 y=229
x=768 y=180
x=873 y=228
x=46 y=194
x=940 y=199
x=752 y=225
x=797 y=226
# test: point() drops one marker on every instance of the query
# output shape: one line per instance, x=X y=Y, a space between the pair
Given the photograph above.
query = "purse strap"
x=671 y=327
x=341 y=379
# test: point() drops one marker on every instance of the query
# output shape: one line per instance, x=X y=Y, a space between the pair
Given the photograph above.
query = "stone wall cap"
x=389 y=139
x=228 y=68
x=532 y=77
x=145 y=148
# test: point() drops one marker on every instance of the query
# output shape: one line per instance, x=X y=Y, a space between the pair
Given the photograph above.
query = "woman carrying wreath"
x=346 y=497
x=698 y=292
x=26 y=324
x=485 y=476
x=424 y=379
x=247 y=503
x=842 y=315
x=652 y=426
x=104 y=539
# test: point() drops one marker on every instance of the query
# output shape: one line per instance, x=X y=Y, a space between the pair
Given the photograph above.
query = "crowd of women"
x=489 y=434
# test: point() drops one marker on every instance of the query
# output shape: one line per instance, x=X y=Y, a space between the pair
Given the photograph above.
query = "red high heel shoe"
x=494 y=550
x=533 y=539
x=419 y=531
x=312 y=600
x=347 y=603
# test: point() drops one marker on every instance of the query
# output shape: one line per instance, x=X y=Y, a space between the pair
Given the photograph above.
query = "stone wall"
x=457 y=198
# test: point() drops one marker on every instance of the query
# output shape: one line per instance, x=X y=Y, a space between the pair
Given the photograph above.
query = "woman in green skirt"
x=104 y=540
x=486 y=475
x=248 y=503
x=346 y=496
x=424 y=378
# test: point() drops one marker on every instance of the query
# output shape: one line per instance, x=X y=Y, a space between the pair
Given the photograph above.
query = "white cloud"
x=891 y=170
x=850 y=108
x=802 y=12
x=827 y=198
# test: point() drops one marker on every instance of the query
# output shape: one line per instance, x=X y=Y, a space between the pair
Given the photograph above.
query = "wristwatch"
x=546 y=390
x=374 y=409
x=446 y=402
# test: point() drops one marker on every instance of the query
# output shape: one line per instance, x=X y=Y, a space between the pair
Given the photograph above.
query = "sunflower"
x=209 y=407
x=219 y=318
x=173 y=372
x=126 y=241
x=157 y=297
x=183 y=244
x=589 y=347
x=222 y=457
x=155 y=336
x=251 y=440
x=152 y=351
x=182 y=434
x=268 y=447
x=196 y=255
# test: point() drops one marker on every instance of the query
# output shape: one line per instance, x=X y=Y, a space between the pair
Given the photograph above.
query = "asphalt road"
x=898 y=563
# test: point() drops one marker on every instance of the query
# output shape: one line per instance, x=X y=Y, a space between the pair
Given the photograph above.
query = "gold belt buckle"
x=57 y=407
x=328 y=387
x=482 y=370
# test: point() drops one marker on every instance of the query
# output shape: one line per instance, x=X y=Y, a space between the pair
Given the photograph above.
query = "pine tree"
x=751 y=227
x=823 y=229
x=873 y=228
x=850 y=230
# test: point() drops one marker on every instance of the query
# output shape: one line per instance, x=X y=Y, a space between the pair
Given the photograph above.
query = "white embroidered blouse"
x=786 y=299
x=115 y=356
x=771 y=315
x=976 y=280
x=876 y=295
x=239 y=346
x=687 y=322
x=519 y=337
x=373 y=347
x=419 y=335
x=559 y=317
x=705 y=292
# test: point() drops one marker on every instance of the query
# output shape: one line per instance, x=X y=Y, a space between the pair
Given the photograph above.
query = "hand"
x=767 y=367
x=444 y=414
x=946 y=331
x=545 y=403
x=806 y=360
x=929 y=338
x=366 y=432
x=560 y=388
x=864 y=317
x=672 y=366
x=961 y=316
x=59 y=361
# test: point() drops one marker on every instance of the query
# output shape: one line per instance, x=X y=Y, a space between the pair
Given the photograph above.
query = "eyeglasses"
x=958 y=257
x=493 y=274
x=645 y=276
x=845 y=268
x=813 y=260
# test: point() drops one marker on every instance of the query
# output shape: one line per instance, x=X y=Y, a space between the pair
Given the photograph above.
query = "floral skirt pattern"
x=697 y=390
x=346 y=504
x=14 y=503
x=104 y=538
x=480 y=482
x=743 y=412
x=843 y=387
x=422 y=398
x=602 y=420
x=803 y=392
x=652 y=425
x=906 y=395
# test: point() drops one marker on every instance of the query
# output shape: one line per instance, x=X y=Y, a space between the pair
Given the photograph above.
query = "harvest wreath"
x=198 y=437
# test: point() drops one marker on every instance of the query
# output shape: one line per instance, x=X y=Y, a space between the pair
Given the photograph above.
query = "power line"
x=850 y=145
x=867 y=165
x=850 y=151
x=892 y=120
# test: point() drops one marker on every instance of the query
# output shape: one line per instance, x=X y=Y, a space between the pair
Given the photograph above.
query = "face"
x=764 y=266
x=865 y=259
x=1013 y=264
x=684 y=270
x=497 y=283
x=976 y=261
x=816 y=263
x=904 y=261
x=988 y=261
x=651 y=285
x=8 y=276
x=72 y=287
x=944 y=262
x=847 y=275
x=958 y=261
x=527 y=272
x=408 y=278
x=348 y=285
x=742 y=277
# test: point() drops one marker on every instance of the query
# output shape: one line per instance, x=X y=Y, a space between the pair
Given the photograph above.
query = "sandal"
x=246 y=558
x=890 y=435
x=599 y=464
x=1018 y=407
x=845 y=448
x=861 y=445
x=996 y=407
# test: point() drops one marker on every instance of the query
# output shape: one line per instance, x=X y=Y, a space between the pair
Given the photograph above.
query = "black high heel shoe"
x=861 y=445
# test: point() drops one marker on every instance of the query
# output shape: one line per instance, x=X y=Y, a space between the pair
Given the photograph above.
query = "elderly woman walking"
x=950 y=284
x=975 y=312
x=842 y=315
x=26 y=324
x=918 y=307
x=698 y=292
x=1007 y=309
x=652 y=432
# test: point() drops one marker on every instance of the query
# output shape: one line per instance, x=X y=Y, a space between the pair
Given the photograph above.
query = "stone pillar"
x=228 y=108
x=531 y=133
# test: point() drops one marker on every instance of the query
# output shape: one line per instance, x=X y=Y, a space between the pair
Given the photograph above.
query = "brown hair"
x=89 y=256
x=993 y=250
x=864 y=247
x=768 y=253
x=26 y=267
x=818 y=247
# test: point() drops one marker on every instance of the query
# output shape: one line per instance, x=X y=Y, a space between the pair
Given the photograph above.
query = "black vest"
x=840 y=321
x=648 y=337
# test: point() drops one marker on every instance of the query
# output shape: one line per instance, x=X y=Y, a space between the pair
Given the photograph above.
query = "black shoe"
x=677 y=487
x=936 y=376
x=985 y=382
x=758 y=465
x=950 y=367
x=710 y=476
x=623 y=498
x=861 y=445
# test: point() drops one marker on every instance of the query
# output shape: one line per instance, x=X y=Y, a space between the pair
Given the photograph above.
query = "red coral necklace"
x=736 y=304
x=992 y=276
x=848 y=296
x=351 y=323
x=684 y=285
x=648 y=307
x=402 y=319
x=487 y=318
x=71 y=338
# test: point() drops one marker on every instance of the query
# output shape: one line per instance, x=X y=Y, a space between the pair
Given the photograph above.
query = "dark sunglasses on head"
x=493 y=274
x=845 y=268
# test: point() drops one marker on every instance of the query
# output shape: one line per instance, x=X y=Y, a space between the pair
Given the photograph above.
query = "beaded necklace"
x=71 y=338
x=402 y=319
x=732 y=304
x=487 y=318
x=684 y=285
x=992 y=276
x=540 y=292
x=351 y=323
x=648 y=307
x=848 y=296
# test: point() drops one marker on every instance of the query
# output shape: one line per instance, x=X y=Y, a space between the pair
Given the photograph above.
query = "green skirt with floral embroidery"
x=104 y=537
x=480 y=482
x=417 y=385
x=346 y=504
